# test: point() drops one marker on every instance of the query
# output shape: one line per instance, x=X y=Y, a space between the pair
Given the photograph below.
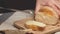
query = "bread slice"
x=34 y=25
x=47 y=15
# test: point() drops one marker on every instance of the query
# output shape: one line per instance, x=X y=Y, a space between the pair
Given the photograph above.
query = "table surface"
x=7 y=19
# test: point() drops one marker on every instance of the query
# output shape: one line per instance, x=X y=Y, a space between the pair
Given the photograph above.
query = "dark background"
x=18 y=4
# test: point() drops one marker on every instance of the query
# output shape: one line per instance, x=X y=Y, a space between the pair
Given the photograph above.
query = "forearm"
x=37 y=5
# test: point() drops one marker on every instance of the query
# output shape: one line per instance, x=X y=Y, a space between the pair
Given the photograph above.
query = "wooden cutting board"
x=48 y=29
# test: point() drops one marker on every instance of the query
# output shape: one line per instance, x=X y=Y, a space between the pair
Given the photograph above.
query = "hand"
x=55 y=4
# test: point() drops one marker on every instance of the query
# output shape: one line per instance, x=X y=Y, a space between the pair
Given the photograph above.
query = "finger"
x=55 y=6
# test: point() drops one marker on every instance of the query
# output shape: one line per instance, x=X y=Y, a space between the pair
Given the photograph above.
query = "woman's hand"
x=55 y=4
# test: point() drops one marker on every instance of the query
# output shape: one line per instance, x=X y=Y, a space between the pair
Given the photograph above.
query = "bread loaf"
x=34 y=25
x=47 y=15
